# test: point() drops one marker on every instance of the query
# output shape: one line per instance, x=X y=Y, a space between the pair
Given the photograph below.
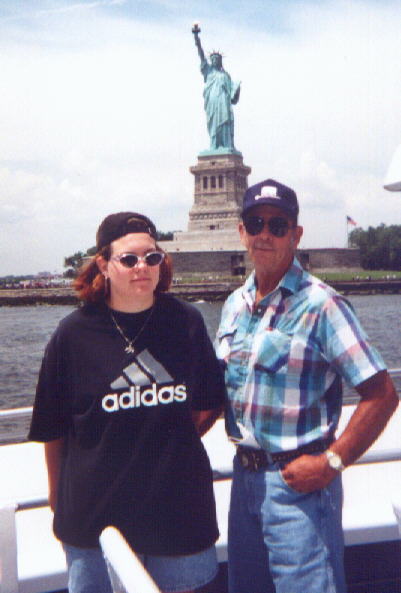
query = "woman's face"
x=131 y=289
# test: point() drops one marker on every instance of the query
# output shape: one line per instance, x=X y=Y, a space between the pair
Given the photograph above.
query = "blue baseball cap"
x=272 y=193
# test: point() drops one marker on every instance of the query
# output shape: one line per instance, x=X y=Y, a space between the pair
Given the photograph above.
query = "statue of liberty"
x=219 y=94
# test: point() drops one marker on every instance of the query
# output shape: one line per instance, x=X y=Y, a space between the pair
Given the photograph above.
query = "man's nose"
x=265 y=232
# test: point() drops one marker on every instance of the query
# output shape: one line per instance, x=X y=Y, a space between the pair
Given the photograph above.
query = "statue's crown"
x=215 y=53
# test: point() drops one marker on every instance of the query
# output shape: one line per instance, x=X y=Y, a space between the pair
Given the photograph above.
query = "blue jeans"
x=87 y=571
x=282 y=541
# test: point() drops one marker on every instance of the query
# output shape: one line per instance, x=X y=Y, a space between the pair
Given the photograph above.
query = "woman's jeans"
x=283 y=541
x=87 y=571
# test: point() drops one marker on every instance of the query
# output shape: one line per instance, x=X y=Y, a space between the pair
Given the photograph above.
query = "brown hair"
x=91 y=286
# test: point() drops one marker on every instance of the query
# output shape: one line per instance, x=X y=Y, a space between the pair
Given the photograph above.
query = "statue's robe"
x=219 y=93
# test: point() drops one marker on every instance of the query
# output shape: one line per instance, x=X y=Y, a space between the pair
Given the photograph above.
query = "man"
x=286 y=340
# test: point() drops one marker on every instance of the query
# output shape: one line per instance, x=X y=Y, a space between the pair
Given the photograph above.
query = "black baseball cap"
x=273 y=193
x=117 y=225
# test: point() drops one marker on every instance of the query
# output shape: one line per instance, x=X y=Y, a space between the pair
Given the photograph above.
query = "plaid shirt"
x=285 y=358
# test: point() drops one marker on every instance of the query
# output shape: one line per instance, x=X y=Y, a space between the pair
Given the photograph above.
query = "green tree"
x=380 y=247
x=73 y=263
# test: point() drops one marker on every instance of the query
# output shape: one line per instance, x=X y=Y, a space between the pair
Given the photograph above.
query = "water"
x=24 y=332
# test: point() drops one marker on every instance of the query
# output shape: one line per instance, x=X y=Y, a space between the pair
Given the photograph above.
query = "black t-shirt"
x=132 y=457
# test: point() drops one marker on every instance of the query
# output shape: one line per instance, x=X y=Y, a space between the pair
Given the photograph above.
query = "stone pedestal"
x=220 y=183
x=211 y=246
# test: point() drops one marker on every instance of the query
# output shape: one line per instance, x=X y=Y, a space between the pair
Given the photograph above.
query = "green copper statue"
x=219 y=93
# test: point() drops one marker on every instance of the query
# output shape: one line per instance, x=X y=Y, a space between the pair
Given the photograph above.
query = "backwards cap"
x=117 y=225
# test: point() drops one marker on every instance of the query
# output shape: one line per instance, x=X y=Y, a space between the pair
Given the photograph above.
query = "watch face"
x=335 y=461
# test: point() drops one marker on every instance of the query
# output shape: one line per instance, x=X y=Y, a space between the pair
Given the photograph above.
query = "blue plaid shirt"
x=285 y=358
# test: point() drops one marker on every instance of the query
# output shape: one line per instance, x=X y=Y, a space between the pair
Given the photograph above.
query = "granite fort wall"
x=232 y=262
x=330 y=258
x=214 y=263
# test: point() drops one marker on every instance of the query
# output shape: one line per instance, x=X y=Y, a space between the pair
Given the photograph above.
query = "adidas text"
x=134 y=398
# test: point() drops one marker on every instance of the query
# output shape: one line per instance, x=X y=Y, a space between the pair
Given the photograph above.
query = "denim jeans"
x=87 y=571
x=282 y=541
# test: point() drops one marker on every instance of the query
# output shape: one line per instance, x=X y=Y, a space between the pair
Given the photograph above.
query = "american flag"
x=351 y=221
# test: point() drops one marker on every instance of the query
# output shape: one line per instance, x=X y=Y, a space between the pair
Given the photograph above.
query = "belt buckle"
x=249 y=460
x=244 y=460
x=255 y=463
x=269 y=458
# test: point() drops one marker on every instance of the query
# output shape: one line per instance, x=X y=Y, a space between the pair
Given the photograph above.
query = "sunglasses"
x=130 y=260
x=277 y=225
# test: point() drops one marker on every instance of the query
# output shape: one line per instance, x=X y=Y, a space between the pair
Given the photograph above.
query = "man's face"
x=271 y=254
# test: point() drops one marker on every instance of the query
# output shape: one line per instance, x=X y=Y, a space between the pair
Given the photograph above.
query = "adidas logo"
x=145 y=379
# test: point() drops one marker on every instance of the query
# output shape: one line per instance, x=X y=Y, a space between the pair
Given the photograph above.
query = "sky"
x=101 y=110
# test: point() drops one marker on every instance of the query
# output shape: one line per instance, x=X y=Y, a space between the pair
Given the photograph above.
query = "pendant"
x=130 y=349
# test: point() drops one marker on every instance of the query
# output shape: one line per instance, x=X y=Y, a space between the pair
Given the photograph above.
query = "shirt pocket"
x=271 y=352
x=270 y=365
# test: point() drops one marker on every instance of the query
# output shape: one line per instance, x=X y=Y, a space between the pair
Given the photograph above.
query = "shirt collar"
x=289 y=283
x=291 y=280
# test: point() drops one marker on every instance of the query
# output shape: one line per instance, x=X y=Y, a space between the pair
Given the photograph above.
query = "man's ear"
x=242 y=234
x=296 y=236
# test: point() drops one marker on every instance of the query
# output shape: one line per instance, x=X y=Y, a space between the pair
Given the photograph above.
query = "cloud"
x=79 y=6
x=102 y=110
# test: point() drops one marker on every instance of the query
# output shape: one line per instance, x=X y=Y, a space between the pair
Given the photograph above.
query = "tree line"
x=380 y=247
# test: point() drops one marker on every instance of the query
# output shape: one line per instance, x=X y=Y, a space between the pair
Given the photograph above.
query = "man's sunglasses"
x=277 y=225
x=130 y=260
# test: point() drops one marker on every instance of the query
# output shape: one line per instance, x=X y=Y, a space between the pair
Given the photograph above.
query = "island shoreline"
x=217 y=291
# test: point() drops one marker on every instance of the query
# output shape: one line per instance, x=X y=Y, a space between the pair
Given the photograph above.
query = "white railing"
x=126 y=571
x=15 y=412
x=9 y=509
x=27 y=410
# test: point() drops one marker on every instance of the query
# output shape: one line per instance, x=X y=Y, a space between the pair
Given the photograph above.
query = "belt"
x=255 y=459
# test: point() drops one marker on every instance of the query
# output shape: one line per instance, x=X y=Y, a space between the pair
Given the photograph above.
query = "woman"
x=128 y=383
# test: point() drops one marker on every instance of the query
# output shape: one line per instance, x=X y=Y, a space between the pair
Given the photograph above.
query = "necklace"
x=129 y=349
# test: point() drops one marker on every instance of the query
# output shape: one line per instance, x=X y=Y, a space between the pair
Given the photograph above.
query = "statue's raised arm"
x=196 y=30
x=219 y=94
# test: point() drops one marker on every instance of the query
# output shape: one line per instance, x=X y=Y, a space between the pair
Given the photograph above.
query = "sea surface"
x=24 y=332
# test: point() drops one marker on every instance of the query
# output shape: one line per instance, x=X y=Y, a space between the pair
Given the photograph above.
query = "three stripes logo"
x=146 y=383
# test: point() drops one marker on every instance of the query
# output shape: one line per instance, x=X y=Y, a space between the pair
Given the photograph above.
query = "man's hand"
x=379 y=400
x=308 y=473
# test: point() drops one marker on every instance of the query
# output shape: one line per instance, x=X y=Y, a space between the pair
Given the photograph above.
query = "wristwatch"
x=334 y=460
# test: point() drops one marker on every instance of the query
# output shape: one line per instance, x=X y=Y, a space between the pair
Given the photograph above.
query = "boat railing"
x=10 y=510
x=127 y=573
x=27 y=410
x=125 y=569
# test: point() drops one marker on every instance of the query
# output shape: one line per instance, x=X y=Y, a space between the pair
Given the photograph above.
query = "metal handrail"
x=10 y=412
x=127 y=573
x=370 y=457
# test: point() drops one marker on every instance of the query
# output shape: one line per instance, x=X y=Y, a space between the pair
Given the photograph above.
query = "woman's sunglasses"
x=130 y=260
x=277 y=225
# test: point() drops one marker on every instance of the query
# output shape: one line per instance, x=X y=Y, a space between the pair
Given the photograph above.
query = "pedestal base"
x=220 y=183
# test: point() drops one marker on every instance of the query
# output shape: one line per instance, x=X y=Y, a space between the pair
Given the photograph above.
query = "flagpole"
x=346 y=224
